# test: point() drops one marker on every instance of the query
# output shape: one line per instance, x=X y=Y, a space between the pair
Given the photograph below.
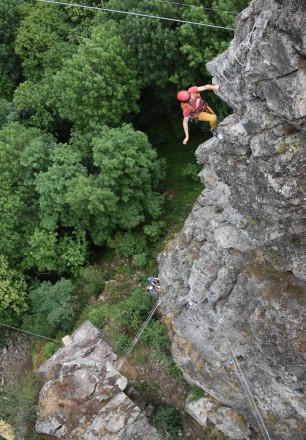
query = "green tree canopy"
x=9 y=63
x=22 y=152
x=42 y=26
x=13 y=298
x=52 y=307
x=98 y=82
x=52 y=186
x=123 y=189
x=35 y=98
x=49 y=251
x=153 y=43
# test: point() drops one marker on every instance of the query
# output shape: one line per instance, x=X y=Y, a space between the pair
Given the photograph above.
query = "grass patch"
x=195 y=393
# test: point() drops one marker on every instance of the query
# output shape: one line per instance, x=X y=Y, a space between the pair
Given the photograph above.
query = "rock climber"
x=153 y=286
x=195 y=108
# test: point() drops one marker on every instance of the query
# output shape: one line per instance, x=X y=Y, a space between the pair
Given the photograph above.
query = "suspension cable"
x=134 y=13
x=200 y=6
x=30 y=333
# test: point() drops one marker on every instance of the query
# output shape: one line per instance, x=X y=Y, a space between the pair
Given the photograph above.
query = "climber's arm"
x=186 y=129
x=208 y=87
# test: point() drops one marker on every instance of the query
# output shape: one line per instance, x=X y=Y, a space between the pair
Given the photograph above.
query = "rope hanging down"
x=246 y=387
x=76 y=5
x=248 y=392
x=135 y=340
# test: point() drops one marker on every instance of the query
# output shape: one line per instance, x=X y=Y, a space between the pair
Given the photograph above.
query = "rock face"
x=83 y=398
x=234 y=279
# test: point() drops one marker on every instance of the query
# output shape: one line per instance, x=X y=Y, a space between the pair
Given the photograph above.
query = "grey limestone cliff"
x=234 y=279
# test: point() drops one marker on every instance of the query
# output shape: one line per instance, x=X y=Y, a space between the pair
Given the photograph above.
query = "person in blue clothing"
x=153 y=286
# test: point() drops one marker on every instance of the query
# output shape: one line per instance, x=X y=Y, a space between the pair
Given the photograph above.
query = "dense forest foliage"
x=85 y=97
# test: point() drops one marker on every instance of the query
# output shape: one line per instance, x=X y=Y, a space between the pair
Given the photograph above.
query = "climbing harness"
x=194 y=115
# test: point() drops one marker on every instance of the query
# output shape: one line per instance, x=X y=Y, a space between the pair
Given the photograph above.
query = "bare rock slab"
x=83 y=394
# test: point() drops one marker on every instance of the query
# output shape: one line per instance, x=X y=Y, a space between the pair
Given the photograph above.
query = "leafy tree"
x=34 y=102
x=42 y=247
x=98 y=82
x=83 y=16
x=52 y=308
x=73 y=251
x=35 y=98
x=123 y=190
x=41 y=27
x=53 y=184
x=4 y=111
x=22 y=152
x=13 y=299
x=154 y=44
x=47 y=251
x=9 y=63
x=127 y=244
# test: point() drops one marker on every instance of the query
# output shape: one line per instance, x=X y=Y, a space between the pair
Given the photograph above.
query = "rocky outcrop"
x=234 y=279
x=83 y=394
x=225 y=419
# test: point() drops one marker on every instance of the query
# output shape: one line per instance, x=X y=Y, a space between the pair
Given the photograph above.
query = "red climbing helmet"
x=183 y=96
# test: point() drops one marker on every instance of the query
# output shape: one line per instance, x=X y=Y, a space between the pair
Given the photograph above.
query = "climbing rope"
x=246 y=44
x=137 y=337
x=222 y=73
x=245 y=386
x=134 y=13
x=249 y=394
x=30 y=333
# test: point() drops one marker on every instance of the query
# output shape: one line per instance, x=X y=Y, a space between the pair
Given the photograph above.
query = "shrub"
x=154 y=335
x=154 y=230
x=127 y=244
x=53 y=308
x=167 y=422
x=18 y=403
x=50 y=348
x=192 y=170
x=129 y=315
x=140 y=260
x=122 y=343
x=173 y=370
x=100 y=315
x=91 y=282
